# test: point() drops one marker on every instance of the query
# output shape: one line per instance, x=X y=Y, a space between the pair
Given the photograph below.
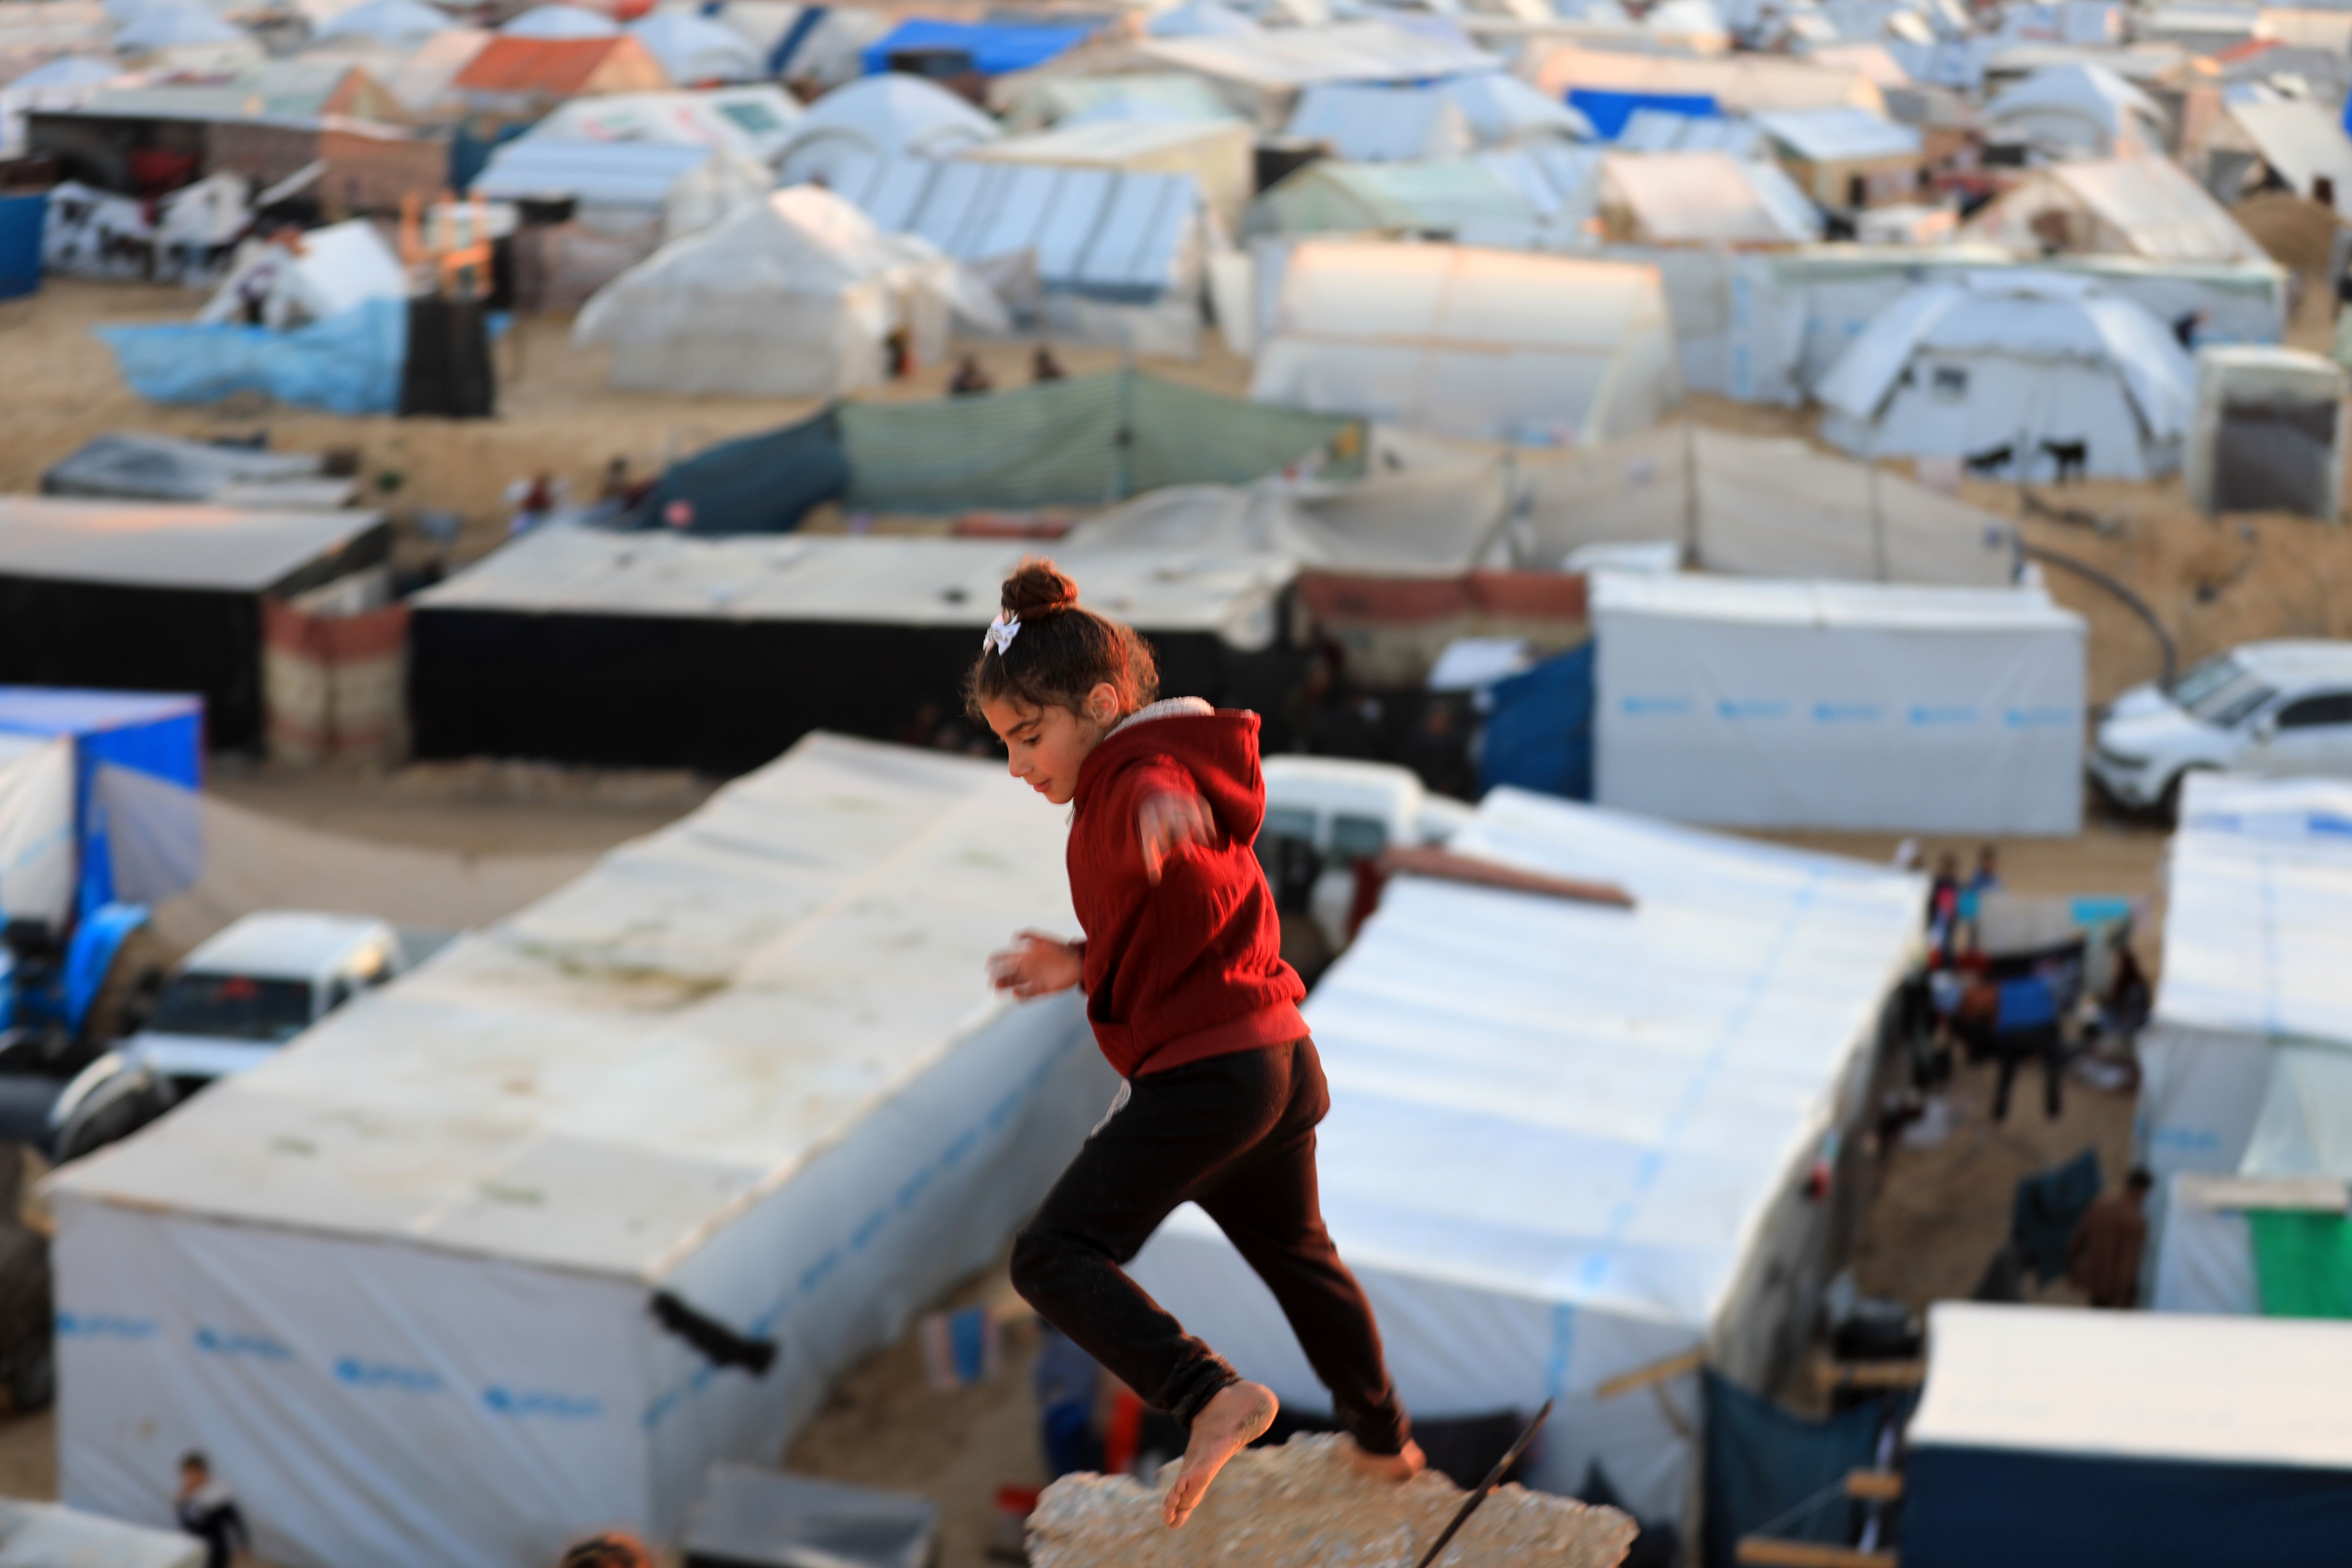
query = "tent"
x=2013 y=370
x=1863 y=707
x=2075 y=110
x=36 y=1534
x=754 y=123
x=1050 y=100
x=135 y=465
x=665 y=190
x=350 y=363
x=2290 y=142
x=391 y=21
x=1378 y=124
x=149 y=598
x=1608 y=84
x=994 y=47
x=518 y=77
x=1847 y=158
x=2253 y=997
x=338 y=267
x=744 y=1073
x=1098 y=254
x=789 y=297
x=1328 y=196
x=172 y=25
x=1569 y=1142
x=1654 y=130
x=2268 y=434
x=556 y=20
x=892 y=116
x=2048 y=1437
x=1217 y=155
x=2141 y=206
x=1464 y=342
x=153 y=735
x=652 y=651
x=1702 y=198
x=693 y=48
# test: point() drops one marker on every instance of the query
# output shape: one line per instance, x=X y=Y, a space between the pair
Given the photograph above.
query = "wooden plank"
x=1656 y=1371
x=1426 y=861
x=1878 y=1485
x=1767 y=1552
x=1875 y=1373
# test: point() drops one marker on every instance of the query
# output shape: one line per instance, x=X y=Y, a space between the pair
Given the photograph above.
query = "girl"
x=1190 y=999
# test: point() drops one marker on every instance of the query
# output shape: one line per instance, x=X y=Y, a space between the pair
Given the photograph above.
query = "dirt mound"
x=2298 y=233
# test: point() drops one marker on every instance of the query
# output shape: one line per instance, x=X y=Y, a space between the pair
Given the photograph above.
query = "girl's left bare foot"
x=1394 y=1469
x=1236 y=1418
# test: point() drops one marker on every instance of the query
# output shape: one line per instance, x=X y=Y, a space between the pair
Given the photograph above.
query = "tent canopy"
x=1328 y=196
x=1840 y=135
x=2144 y=205
x=2076 y=109
x=1683 y=198
x=693 y=48
x=556 y=20
x=239 y=550
x=2302 y=142
x=393 y=21
x=892 y=115
x=752 y=122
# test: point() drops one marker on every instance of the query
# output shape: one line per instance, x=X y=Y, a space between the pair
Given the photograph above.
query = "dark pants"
x=1235 y=1134
x=2015 y=1050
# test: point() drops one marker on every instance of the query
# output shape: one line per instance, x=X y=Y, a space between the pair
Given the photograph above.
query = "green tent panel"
x=2303 y=1263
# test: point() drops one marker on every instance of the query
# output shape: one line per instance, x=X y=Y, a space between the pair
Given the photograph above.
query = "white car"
x=1339 y=811
x=247 y=991
x=2276 y=708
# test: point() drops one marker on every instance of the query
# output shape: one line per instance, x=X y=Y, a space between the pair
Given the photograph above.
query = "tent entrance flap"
x=2276 y=456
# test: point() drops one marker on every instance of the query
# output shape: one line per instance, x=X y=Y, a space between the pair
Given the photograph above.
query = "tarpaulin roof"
x=557 y=66
x=62 y=711
x=693 y=48
x=139 y=465
x=1708 y=197
x=174 y=23
x=1332 y=196
x=752 y=121
x=596 y=172
x=1741 y=84
x=887 y=116
x=2146 y=205
x=2300 y=140
x=1840 y=135
x=556 y=20
x=392 y=19
x=1650 y=130
x=995 y=48
x=1372 y=123
x=2109 y=114
x=236 y=550
x=1341 y=51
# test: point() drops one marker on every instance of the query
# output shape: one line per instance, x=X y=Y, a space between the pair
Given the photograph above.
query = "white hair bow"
x=1000 y=634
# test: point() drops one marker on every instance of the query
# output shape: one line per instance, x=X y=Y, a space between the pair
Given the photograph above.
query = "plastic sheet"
x=348 y=363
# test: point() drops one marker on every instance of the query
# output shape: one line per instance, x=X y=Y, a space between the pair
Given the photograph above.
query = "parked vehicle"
x=1325 y=814
x=62 y=1004
x=2276 y=708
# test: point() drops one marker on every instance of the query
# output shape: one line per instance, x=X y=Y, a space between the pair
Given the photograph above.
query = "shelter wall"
x=2013 y=402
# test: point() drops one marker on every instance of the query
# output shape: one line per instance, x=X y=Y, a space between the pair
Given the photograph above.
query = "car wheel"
x=2167 y=804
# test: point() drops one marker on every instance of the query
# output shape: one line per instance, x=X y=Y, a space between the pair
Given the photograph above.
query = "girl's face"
x=1045 y=745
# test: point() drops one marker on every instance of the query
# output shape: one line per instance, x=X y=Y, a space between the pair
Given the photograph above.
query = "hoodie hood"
x=1218 y=748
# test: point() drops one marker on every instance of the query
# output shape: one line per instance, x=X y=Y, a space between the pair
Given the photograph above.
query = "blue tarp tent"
x=995 y=48
x=759 y=484
x=21 y=220
x=157 y=734
x=349 y=364
x=1539 y=735
x=1772 y=1473
x=1609 y=111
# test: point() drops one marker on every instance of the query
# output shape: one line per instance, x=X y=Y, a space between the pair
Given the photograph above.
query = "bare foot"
x=1394 y=1469
x=1238 y=1417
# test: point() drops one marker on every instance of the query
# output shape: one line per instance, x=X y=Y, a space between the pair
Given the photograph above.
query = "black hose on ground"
x=2133 y=602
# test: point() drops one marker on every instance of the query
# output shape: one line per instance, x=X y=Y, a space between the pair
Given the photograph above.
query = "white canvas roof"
x=1682 y=198
x=1664 y=131
x=406 y=21
x=594 y=171
x=2302 y=142
x=174 y=23
x=1369 y=123
x=903 y=581
x=1564 y=1139
x=1464 y=341
x=692 y=47
x=1840 y=135
x=889 y=116
x=2144 y=205
x=1219 y=155
x=1740 y=83
x=223 y=549
x=2077 y=109
x=556 y=20
x=2136 y=1385
x=752 y=122
x=1342 y=51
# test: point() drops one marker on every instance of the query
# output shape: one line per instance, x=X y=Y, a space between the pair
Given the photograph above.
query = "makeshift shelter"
x=1862 y=706
x=22 y=220
x=1375 y=124
x=1701 y=198
x=1667 y=131
x=513 y=78
x=1045 y=100
x=2269 y=432
x=2014 y=371
x=391 y=21
x=892 y=116
x=1567 y=1140
x=1464 y=342
x=752 y=122
x=692 y=48
x=655 y=191
x=184 y=33
x=1099 y=255
x=339 y=267
x=1846 y=159
x=69 y=853
x=789 y=297
x=2048 y=1437
x=135 y=465
x=165 y=599
x=992 y=47
x=731 y=1085
x=2291 y=145
x=2250 y=1018
x=556 y=20
x=1217 y=155
x=650 y=650
x=2144 y=205
x=1328 y=196
x=2074 y=111
x=1608 y=84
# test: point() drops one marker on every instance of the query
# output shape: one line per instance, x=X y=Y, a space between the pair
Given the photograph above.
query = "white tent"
x=1367 y=124
x=556 y=20
x=2011 y=369
x=36 y=829
x=678 y=188
x=694 y=48
x=2295 y=140
x=2075 y=110
x=400 y=1283
x=1464 y=342
x=789 y=297
x=394 y=21
x=168 y=25
x=1753 y=702
x=2046 y=1438
x=339 y=266
x=1047 y=100
x=2141 y=206
x=1568 y=1141
x=752 y=122
x=1703 y=198
x=2269 y=432
x=889 y=116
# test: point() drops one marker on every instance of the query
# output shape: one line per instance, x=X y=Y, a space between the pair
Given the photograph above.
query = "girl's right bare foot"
x=1238 y=1417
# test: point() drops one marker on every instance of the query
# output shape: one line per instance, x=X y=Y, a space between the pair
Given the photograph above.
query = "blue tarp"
x=760 y=484
x=349 y=364
x=1768 y=1472
x=1609 y=112
x=159 y=734
x=1539 y=735
x=994 y=50
x=21 y=219
x=2046 y=1207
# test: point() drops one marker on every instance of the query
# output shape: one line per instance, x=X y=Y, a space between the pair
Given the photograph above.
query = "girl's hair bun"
x=1037 y=588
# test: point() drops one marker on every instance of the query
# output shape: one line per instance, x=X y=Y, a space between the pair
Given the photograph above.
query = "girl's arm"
x=1037 y=966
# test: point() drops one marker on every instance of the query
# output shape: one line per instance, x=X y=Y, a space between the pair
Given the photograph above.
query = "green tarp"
x=2303 y=1263
x=1089 y=440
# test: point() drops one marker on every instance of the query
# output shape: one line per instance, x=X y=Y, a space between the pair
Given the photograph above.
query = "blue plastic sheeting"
x=994 y=50
x=1765 y=1467
x=157 y=734
x=2045 y=1209
x=1965 y=1508
x=1539 y=735
x=760 y=484
x=348 y=363
x=1609 y=112
x=21 y=219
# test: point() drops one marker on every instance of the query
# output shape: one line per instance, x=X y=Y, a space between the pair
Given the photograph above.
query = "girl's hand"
x=1037 y=965
x=1167 y=823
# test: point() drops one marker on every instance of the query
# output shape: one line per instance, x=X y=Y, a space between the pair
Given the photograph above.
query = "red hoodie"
x=1192 y=966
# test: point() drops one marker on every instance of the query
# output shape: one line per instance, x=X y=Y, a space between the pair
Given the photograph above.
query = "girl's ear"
x=1102 y=705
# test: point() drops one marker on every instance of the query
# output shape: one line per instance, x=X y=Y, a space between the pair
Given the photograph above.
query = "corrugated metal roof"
x=1105 y=232
x=599 y=174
